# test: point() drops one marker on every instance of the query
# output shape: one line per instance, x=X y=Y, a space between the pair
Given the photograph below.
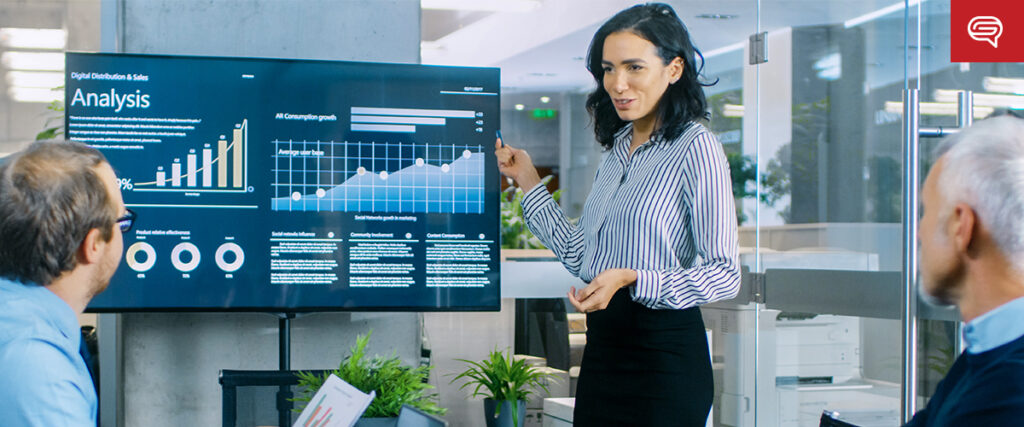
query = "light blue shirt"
x=43 y=379
x=995 y=328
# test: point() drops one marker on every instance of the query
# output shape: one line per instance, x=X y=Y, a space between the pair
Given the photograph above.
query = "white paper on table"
x=336 y=404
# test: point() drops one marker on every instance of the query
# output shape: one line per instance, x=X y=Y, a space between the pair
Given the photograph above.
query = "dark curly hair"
x=683 y=101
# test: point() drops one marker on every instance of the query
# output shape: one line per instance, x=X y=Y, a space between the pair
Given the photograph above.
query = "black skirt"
x=644 y=367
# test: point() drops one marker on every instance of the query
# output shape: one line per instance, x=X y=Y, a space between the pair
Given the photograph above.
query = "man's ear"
x=92 y=246
x=961 y=227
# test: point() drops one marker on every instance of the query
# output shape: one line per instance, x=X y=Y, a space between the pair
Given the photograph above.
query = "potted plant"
x=514 y=233
x=55 y=121
x=395 y=385
x=506 y=383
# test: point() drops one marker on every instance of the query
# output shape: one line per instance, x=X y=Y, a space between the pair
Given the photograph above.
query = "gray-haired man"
x=972 y=255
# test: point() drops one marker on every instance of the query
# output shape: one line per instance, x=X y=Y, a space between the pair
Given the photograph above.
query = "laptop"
x=831 y=419
x=412 y=417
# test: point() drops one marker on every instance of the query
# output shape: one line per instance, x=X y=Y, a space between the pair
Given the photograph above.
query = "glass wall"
x=813 y=137
x=732 y=323
x=827 y=230
x=997 y=89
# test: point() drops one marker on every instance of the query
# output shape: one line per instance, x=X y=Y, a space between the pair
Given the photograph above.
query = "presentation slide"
x=287 y=185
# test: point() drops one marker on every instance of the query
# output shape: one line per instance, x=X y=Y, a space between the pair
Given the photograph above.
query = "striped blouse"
x=667 y=212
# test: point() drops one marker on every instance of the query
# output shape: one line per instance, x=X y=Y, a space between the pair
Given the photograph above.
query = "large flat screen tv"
x=290 y=186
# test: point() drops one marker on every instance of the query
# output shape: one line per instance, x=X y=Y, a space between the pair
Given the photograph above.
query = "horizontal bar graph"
x=405 y=120
x=384 y=128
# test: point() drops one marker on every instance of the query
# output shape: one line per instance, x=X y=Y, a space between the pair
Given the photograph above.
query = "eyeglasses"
x=125 y=222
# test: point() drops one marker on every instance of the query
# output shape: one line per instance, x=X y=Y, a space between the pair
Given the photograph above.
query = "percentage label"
x=125 y=183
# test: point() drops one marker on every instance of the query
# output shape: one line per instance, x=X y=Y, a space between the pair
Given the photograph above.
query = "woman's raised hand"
x=516 y=164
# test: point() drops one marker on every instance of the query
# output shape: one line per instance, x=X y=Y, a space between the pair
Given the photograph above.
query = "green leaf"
x=54 y=124
x=49 y=133
x=503 y=378
x=514 y=232
x=394 y=383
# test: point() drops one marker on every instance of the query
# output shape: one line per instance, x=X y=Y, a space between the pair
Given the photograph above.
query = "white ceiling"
x=543 y=49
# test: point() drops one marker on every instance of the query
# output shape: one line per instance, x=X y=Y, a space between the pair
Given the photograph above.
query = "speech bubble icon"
x=986 y=29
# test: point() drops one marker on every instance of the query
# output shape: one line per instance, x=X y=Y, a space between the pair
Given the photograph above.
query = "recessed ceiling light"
x=431 y=45
x=545 y=99
x=43 y=79
x=1003 y=84
x=938 y=109
x=35 y=94
x=33 y=61
x=982 y=99
x=829 y=67
x=732 y=110
x=520 y=107
x=718 y=16
x=33 y=38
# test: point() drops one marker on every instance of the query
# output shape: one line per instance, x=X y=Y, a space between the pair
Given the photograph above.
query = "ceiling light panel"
x=717 y=16
x=938 y=109
x=983 y=99
x=732 y=110
x=1004 y=85
x=35 y=94
x=33 y=38
x=33 y=61
x=43 y=79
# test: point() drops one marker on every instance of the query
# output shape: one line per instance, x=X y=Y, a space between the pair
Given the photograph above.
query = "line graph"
x=375 y=176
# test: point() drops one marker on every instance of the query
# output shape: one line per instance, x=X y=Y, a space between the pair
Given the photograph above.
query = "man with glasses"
x=61 y=219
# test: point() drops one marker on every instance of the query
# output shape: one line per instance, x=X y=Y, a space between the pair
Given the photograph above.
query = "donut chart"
x=134 y=263
x=184 y=266
x=229 y=267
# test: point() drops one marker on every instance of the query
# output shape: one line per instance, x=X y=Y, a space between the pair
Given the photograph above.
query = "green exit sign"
x=543 y=113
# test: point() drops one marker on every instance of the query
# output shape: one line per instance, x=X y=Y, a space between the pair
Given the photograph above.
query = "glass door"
x=828 y=231
x=722 y=31
x=951 y=95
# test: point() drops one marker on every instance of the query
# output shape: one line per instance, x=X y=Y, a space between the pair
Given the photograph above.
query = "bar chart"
x=319 y=416
x=218 y=166
x=406 y=120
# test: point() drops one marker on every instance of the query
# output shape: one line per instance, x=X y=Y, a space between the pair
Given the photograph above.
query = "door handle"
x=912 y=133
x=908 y=312
x=964 y=117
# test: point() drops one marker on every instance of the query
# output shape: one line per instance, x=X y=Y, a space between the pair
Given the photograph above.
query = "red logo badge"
x=987 y=31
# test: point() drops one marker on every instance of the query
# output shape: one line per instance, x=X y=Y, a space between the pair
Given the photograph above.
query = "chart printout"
x=266 y=184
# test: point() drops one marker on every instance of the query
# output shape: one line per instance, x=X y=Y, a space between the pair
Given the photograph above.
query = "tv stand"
x=284 y=351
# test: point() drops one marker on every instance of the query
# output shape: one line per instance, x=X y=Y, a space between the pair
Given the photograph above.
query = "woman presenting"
x=658 y=233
